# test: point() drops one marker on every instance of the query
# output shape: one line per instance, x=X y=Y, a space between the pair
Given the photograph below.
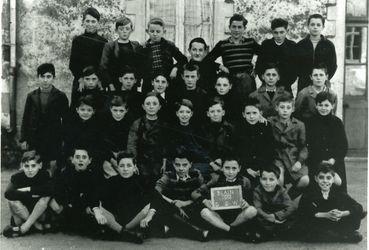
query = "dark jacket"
x=44 y=131
x=100 y=99
x=198 y=97
x=232 y=106
x=283 y=55
x=134 y=100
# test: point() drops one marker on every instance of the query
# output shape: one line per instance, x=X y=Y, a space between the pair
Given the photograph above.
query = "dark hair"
x=152 y=93
x=271 y=65
x=228 y=156
x=238 y=17
x=127 y=70
x=182 y=153
x=123 y=21
x=123 y=155
x=117 y=100
x=322 y=66
x=157 y=21
x=224 y=75
x=89 y=70
x=30 y=155
x=92 y=12
x=87 y=100
x=272 y=169
x=324 y=95
x=285 y=97
x=46 y=68
x=198 y=40
x=325 y=168
x=190 y=67
x=214 y=101
x=82 y=146
x=184 y=102
x=156 y=74
x=316 y=16
x=279 y=22
x=252 y=101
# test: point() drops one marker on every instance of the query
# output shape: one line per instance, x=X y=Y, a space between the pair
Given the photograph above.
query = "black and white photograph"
x=184 y=124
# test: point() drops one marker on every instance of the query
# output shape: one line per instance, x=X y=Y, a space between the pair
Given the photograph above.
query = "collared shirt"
x=186 y=177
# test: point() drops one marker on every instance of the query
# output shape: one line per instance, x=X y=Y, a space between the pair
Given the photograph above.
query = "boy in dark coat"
x=86 y=48
x=326 y=213
x=45 y=113
x=28 y=195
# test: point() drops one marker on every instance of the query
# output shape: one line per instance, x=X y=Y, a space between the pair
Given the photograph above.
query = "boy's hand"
x=296 y=167
x=262 y=119
x=207 y=204
x=24 y=145
x=173 y=73
x=25 y=189
x=145 y=222
x=224 y=69
x=252 y=172
x=331 y=161
x=244 y=204
x=100 y=218
x=111 y=87
x=180 y=203
x=216 y=165
x=183 y=214
x=270 y=218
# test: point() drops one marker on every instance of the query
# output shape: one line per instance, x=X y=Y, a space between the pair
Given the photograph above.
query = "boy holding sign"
x=229 y=219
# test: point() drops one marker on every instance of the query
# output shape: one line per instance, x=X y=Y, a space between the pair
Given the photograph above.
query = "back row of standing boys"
x=131 y=159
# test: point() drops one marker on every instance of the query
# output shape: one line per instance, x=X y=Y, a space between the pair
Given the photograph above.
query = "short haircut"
x=285 y=97
x=322 y=66
x=152 y=93
x=127 y=70
x=182 y=153
x=31 y=155
x=325 y=168
x=272 y=169
x=278 y=22
x=316 y=16
x=224 y=75
x=184 y=102
x=228 y=156
x=81 y=146
x=92 y=12
x=270 y=65
x=86 y=100
x=238 y=17
x=214 y=101
x=123 y=21
x=252 y=101
x=157 y=21
x=324 y=95
x=190 y=67
x=198 y=40
x=160 y=74
x=117 y=101
x=125 y=155
x=46 y=68
x=89 y=70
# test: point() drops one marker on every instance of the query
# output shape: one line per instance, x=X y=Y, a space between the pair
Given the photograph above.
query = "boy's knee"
x=250 y=212
x=15 y=204
x=205 y=213
x=44 y=201
x=53 y=204
x=304 y=181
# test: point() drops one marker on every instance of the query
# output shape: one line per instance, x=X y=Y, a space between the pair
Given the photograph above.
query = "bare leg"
x=140 y=216
x=245 y=215
x=52 y=167
x=19 y=211
x=55 y=206
x=214 y=219
x=111 y=221
x=37 y=211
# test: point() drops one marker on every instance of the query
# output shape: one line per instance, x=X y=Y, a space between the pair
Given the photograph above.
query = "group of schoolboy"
x=126 y=161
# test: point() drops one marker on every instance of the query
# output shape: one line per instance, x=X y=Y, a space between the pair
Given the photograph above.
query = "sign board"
x=226 y=197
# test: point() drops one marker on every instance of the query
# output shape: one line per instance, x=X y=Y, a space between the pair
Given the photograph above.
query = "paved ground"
x=357 y=179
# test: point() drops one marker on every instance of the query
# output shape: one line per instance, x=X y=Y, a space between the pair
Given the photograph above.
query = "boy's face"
x=237 y=29
x=216 y=113
x=315 y=26
x=184 y=115
x=285 y=109
x=81 y=160
x=151 y=105
x=160 y=84
x=271 y=77
x=85 y=112
x=251 y=114
x=231 y=169
x=91 y=81
x=182 y=166
x=324 y=108
x=324 y=180
x=156 y=32
x=128 y=80
x=118 y=112
x=268 y=181
x=31 y=168
x=190 y=79
x=124 y=31
x=279 y=34
x=223 y=86
x=319 y=77
x=90 y=24
x=46 y=80
x=126 y=168
x=197 y=51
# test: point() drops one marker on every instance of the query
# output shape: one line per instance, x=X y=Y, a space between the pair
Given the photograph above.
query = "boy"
x=291 y=150
x=280 y=51
x=160 y=53
x=327 y=214
x=273 y=204
x=174 y=208
x=119 y=53
x=268 y=92
x=45 y=113
x=253 y=141
x=231 y=220
x=326 y=139
x=314 y=49
x=28 y=194
x=237 y=52
x=72 y=193
x=121 y=202
x=86 y=48
x=305 y=100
